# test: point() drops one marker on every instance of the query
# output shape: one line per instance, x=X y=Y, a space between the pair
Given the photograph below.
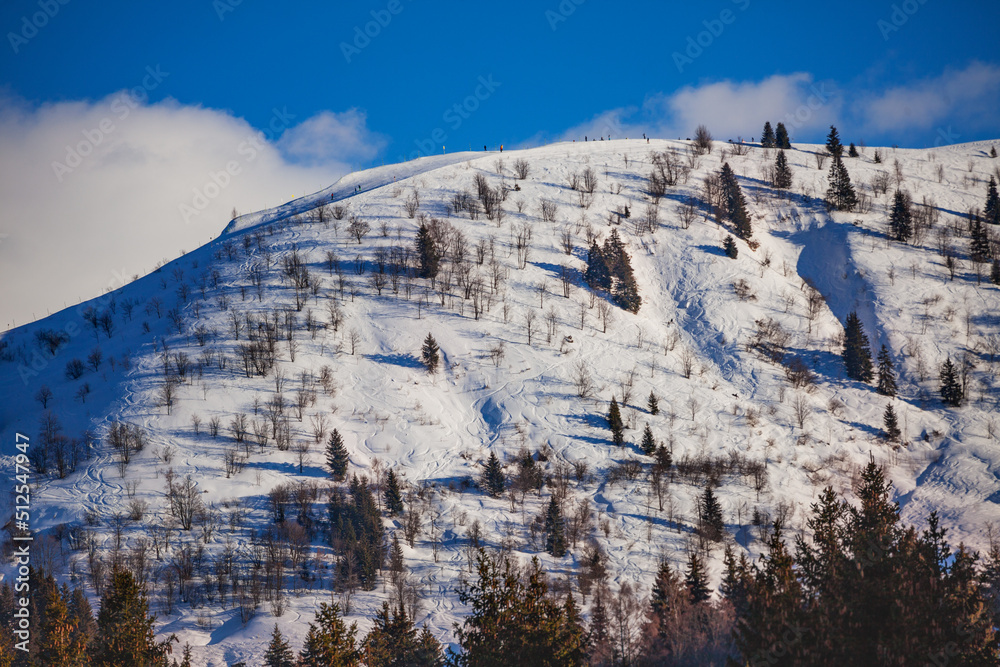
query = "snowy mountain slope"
x=437 y=431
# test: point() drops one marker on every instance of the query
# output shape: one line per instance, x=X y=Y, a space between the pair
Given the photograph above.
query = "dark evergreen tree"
x=890 y=424
x=429 y=354
x=734 y=203
x=616 y=424
x=663 y=458
x=493 y=477
x=428 y=254
x=652 y=404
x=57 y=641
x=279 y=653
x=995 y=272
x=626 y=292
x=555 y=530
x=735 y=585
x=330 y=641
x=886 y=373
x=357 y=534
x=696 y=579
x=712 y=524
x=833 y=145
x=781 y=137
x=767 y=138
x=598 y=275
x=393 y=642
x=393 y=496
x=900 y=220
x=992 y=209
x=840 y=195
x=514 y=621
x=979 y=241
x=429 y=652
x=852 y=151
x=857 y=351
x=951 y=388
x=336 y=456
x=782 y=172
x=729 y=246
x=648 y=442
x=125 y=633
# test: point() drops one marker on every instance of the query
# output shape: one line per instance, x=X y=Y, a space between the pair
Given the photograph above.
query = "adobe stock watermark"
x=30 y=25
x=454 y=116
x=121 y=107
x=561 y=13
x=946 y=137
x=381 y=18
x=713 y=30
x=223 y=7
x=247 y=150
x=900 y=14
x=818 y=98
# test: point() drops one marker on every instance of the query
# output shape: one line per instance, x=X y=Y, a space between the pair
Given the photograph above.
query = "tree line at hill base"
x=864 y=590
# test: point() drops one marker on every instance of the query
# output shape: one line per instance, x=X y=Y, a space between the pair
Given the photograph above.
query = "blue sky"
x=556 y=66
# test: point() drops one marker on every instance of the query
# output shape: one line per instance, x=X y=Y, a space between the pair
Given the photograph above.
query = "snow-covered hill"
x=689 y=344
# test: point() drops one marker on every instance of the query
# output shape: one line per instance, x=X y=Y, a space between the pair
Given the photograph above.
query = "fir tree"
x=393 y=496
x=710 y=514
x=513 y=619
x=890 y=424
x=616 y=424
x=429 y=354
x=392 y=640
x=626 y=291
x=598 y=275
x=857 y=351
x=648 y=442
x=979 y=241
x=337 y=457
x=995 y=272
x=781 y=137
x=951 y=388
x=664 y=599
x=279 y=653
x=555 y=530
x=992 y=209
x=852 y=151
x=330 y=641
x=734 y=203
x=767 y=138
x=782 y=172
x=729 y=247
x=652 y=404
x=428 y=255
x=696 y=579
x=840 y=195
x=735 y=585
x=125 y=633
x=886 y=373
x=663 y=458
x=900 y=220
x=833 y=145
x=493 y=477
x=58 y=642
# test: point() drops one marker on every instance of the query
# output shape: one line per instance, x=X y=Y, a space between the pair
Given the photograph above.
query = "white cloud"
x=96 y=191
x=332 y=137
x=729 y=109
x=970 y=96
